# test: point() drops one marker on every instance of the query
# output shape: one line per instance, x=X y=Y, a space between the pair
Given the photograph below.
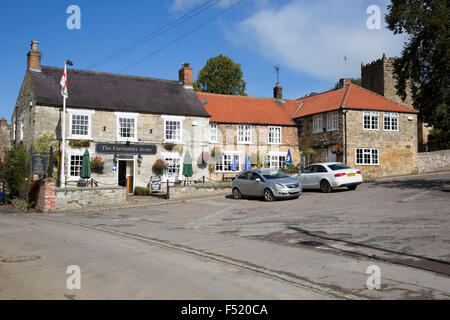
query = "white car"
x=329 y=175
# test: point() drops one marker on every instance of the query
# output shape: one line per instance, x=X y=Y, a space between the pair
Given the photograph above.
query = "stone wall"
x=397 y=149
x=77 y=198
x=434 y=161
x=192 y=192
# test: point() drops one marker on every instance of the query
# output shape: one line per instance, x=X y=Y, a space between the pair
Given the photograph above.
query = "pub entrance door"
x=125 y=174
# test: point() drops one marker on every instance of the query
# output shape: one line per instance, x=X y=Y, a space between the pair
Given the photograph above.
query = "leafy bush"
x=439 y=140
x=141 y=191
x=44 y=142
x=14 y=171
x=20 y=204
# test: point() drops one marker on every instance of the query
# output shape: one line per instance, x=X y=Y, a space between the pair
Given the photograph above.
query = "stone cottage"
x=361 y=128
x=129 y=122
x=261 y=128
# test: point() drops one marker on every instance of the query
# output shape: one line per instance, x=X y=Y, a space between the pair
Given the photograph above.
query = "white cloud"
x=314 y=37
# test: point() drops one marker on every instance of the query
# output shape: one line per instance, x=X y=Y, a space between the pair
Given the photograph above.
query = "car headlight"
x=280 y=186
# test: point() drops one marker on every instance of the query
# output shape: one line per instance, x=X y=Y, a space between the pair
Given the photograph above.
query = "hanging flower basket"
x=169 y=146
x=308 y=152
x=97 y=165
x=206 y=157
x=337 y=148
x=158 y=167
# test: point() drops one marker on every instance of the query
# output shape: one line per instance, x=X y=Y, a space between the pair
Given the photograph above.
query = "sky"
x=308 y=40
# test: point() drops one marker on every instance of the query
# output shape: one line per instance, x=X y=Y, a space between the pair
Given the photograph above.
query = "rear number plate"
x=351 y=175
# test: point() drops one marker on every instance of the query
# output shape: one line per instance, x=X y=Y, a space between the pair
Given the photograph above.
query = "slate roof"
x=351 y=96
x=113 y=92
x=248 y=110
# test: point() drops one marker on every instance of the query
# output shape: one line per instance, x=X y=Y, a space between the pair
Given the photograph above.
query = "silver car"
x=267 y=183
x=329 y=175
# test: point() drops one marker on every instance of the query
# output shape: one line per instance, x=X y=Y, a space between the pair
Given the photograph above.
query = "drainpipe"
x=344 y=112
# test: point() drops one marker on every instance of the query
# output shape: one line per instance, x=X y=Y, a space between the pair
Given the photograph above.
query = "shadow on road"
x=405 y=258
x=412 y=184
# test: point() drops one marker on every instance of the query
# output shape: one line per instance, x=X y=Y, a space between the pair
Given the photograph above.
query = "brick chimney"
x=185 y=75
x=34 y=57
x=344 y=82
x=278 y=92
x=3 y=122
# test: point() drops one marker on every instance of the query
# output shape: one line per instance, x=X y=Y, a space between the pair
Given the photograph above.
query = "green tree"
x=44 y=142
x=424 y=63
x=221 y=75
x=356 y=81
x=14 y=172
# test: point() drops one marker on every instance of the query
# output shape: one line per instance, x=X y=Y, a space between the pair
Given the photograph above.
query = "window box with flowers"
x=97 y=165
x=337 y=149
x=78 y=144
x=158 y=167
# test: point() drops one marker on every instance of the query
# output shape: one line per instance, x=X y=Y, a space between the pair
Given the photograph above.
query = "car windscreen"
x=270 y=175
x=338 y=166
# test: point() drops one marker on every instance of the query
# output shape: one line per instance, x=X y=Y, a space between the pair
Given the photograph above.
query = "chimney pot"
x=344 y=82
x=34 y=45
x=278 y=92
x=3 y=122
x=34 y=56
x=186 y=75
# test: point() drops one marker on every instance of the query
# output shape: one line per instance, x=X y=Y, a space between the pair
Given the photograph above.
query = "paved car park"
x=323 y=242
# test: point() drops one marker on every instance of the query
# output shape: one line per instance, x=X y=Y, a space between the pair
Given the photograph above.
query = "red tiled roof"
x=251 y=110
x=350 y=97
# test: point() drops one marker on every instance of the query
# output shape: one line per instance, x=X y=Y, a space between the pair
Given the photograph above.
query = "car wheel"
x=352 y=188
x=325 y=186
x=268 y=195
x=237 y=194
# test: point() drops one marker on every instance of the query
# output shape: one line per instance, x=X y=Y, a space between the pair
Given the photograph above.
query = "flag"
x=289 y=158
x=247 y=165
x=63 y=84
x=233 y=163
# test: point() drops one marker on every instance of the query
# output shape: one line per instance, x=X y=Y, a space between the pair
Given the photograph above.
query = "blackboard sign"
x=38 y=165
x=155 y=183
x=115 y=148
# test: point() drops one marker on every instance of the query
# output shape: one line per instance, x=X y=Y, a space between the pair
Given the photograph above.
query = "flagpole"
x=62 y=182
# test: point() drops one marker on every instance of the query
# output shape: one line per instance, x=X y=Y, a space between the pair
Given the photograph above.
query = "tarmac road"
x=35 y=254
x=318 y=246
